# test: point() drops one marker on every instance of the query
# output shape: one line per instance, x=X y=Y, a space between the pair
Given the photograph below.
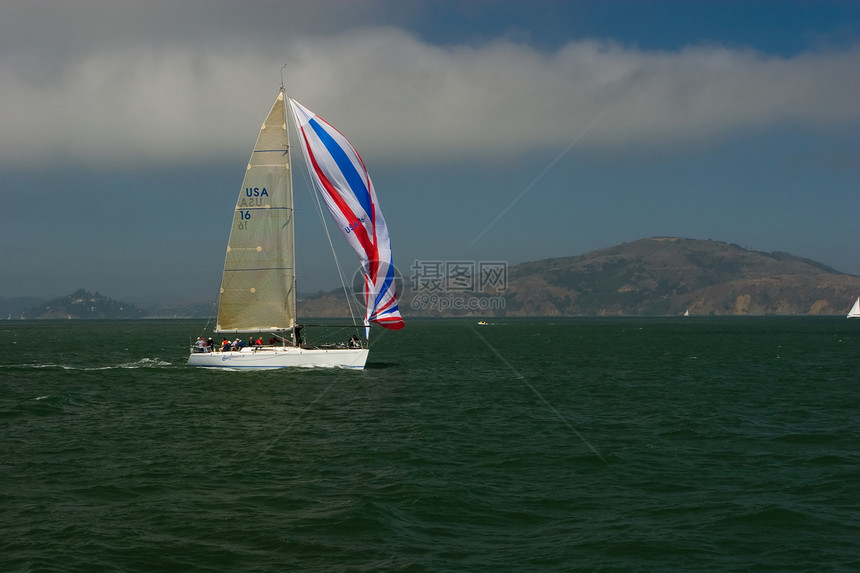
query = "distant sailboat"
x=855 y=310
x=258 y=293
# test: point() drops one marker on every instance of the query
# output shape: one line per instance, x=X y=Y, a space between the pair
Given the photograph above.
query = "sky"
x=493 y=130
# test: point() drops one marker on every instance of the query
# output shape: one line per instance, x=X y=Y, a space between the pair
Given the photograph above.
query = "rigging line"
x=316 y=198
x=310 y=186
x=297 y=418
x=522 y=378
x=212 y=310
x=536 y=179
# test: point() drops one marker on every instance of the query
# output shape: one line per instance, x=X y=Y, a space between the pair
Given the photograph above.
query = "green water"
x=578 y=445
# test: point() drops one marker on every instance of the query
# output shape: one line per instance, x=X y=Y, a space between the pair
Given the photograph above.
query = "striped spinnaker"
x=342 y=181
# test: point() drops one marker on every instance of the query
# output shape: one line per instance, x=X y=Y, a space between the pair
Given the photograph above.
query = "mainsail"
x=341 y=179
x=258 y=286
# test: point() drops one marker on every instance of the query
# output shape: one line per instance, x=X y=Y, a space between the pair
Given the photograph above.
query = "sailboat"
x=258 y=285
x=855 y=310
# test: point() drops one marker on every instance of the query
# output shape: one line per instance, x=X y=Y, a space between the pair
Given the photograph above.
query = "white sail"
x=855 y=310
x=258 y=286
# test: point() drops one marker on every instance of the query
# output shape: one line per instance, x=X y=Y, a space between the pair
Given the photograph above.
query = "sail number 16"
x=243 y=219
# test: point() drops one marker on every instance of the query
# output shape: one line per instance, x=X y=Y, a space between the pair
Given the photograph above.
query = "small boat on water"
x=855 y=310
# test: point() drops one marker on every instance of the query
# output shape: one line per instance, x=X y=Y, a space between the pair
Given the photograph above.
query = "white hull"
x=266 y=357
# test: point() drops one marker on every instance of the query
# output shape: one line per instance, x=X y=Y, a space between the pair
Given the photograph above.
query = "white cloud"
x=138 y=104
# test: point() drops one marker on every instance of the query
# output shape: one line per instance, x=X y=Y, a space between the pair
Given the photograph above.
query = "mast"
x=289 y=152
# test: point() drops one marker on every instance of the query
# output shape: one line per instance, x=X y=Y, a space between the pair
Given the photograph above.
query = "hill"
x=668 y=275
x=83 y=304
x=657 y=276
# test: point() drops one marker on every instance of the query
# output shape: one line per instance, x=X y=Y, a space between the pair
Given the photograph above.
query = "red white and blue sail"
x=342 y=181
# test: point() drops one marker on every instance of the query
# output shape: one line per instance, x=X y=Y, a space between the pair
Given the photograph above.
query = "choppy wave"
x=146 y=363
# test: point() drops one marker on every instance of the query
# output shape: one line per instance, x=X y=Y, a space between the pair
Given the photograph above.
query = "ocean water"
x=701 y=444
